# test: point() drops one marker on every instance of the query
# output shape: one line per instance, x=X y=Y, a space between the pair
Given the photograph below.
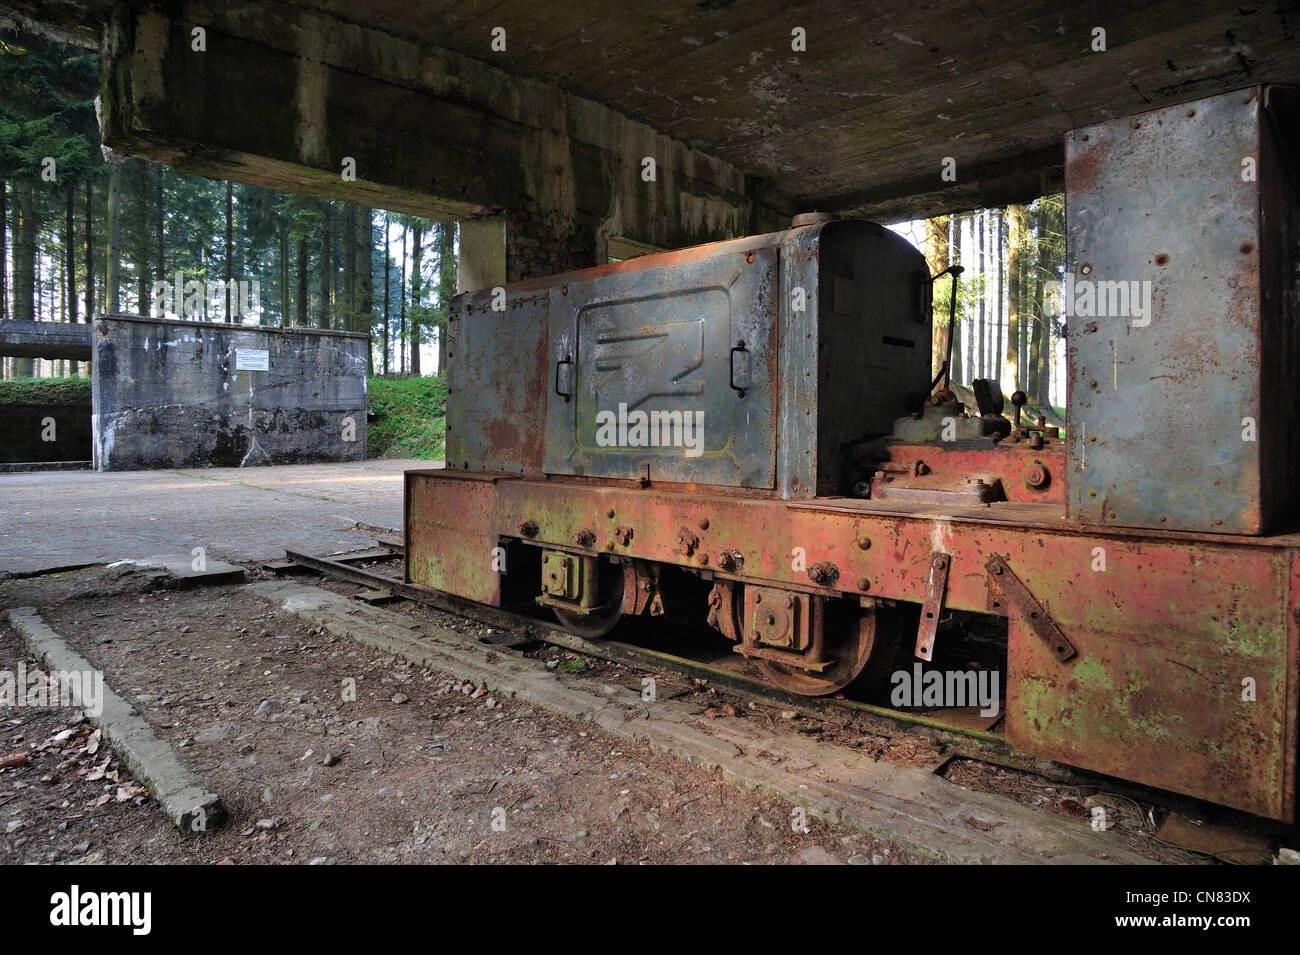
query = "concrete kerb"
x=183 y=797
x=909 y=806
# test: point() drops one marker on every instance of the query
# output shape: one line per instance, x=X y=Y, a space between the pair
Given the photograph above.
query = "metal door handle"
x=563 y=361
x=739 y=347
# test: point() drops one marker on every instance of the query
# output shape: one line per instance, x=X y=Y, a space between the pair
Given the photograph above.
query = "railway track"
x=382 y=574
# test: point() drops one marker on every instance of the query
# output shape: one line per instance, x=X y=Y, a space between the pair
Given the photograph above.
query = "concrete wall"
x=170 y=394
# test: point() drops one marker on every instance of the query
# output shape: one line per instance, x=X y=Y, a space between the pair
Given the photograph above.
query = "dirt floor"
x=327 y=751
x=420 y=767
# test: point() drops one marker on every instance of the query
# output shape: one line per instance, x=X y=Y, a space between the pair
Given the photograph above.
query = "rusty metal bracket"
x=936 y=590
x=641 y=589
x=1013 y=589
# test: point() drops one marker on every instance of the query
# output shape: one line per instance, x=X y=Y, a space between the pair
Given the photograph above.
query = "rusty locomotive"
x=759 y=415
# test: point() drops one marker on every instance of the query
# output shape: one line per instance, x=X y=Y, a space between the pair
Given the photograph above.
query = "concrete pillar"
x=481 y=259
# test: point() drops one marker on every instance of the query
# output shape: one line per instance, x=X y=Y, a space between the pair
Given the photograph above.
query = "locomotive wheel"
x=593 y=626
x=857 y=642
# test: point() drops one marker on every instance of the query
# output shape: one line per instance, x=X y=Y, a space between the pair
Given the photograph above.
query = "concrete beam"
x=283 y=97
x=45 y=340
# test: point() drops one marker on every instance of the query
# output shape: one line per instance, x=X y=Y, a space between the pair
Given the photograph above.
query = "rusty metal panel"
x=667 y=371
x=1166 y=329
x=449 y=533
x=496 y=369
x=1181 y=679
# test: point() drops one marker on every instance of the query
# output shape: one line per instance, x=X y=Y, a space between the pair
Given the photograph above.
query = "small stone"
x=788 y=714
x=552 y=664
x=490 y=703
x=401 y=698
x=859 y=859
x=264 y=708
x=81 y=847
x=13 y=825
x=330 y=759
x=265 y=824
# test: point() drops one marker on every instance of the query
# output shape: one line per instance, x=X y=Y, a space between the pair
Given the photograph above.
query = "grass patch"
x=577 y=665
x=45 y=391
x=407 y=418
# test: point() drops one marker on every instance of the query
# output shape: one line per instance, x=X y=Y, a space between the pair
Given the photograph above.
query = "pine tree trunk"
x=417 y=292
x=114 y=249
x=936 y=259
x=388 y=259
x=301 y=304
x=284 y=273
x=143 y=254
x=326 y=266
x=981 y=352
x=70 y=255
x=363 y=283
x=25 y=267
x=446 y=287
x=954 y=258
x=90 y=250
x=160 y=213
x=1015 y=233
x=230 y=246
x=4 y=249
x=349 y=268
x=401 y=329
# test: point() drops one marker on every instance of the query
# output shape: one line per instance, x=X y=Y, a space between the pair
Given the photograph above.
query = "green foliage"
x=45 y=391
x=47 y=108
x=407 y=417
x=576 y=665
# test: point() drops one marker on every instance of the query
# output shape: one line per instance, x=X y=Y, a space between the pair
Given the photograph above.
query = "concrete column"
x=481 y=262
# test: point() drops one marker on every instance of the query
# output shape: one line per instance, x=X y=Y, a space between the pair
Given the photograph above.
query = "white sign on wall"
x=252 y=359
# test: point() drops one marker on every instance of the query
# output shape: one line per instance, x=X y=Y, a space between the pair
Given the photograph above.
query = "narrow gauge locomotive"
x=759 y=414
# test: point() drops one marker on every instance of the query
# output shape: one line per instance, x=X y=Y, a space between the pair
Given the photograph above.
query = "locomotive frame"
x=1153 y=631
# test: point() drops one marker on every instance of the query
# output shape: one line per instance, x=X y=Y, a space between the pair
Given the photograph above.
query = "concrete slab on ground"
x=907 y=805
x=181 y=794
x=65 y=519
x=184 y=570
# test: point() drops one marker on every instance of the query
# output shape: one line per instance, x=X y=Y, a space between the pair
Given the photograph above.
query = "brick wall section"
x=538 y=245
x=21 y=427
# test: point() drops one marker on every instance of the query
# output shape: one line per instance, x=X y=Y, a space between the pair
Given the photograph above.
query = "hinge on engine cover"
x=936 y=591
x=1003 y=580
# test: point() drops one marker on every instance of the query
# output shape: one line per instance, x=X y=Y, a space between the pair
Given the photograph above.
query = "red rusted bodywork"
x=1167 y=625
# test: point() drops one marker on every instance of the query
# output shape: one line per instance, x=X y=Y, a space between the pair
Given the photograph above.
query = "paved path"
x=63 y=518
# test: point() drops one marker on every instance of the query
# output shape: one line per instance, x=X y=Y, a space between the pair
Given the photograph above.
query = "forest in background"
x=1010 y=325
x=80 y=235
